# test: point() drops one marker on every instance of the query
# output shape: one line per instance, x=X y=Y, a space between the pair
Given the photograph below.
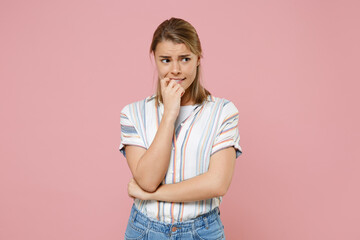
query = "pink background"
x=68 y=67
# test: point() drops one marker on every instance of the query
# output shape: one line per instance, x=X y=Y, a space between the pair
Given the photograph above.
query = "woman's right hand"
x=171 y=93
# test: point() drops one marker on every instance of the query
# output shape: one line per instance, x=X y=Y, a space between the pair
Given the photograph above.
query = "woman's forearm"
x=152 y=166
x=213 y=183
x=198 y=188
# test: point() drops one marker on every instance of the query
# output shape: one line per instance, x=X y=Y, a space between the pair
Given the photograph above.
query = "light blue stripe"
x=128 y=129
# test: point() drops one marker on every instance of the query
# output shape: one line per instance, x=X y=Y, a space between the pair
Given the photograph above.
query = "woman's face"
x=176 y=61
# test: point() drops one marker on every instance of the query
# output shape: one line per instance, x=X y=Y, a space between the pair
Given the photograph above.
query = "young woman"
x=180 y=144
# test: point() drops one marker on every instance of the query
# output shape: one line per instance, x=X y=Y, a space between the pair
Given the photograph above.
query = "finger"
x=180 y=90
x=176 y=87
x=172 y=84
x=182 y=93
x=174 y=90
x=164 y=82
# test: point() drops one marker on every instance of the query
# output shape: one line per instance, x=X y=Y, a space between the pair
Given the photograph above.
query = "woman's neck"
x=186 y=100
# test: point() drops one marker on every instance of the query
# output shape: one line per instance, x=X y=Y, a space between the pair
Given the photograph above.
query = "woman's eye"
x=165 y=60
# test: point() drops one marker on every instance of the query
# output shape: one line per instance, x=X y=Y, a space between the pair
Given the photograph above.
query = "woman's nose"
x=175 y=68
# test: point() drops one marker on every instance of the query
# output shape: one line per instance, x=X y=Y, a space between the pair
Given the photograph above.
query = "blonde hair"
x=180 y=31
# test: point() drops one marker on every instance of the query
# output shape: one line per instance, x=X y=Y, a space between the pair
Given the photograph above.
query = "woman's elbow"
x=149 y=188
x=221 y=192
x=146 y=185
x=221 y=189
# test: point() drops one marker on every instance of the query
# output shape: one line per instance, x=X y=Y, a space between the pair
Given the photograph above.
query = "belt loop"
x=193 y=226
x=206 y=223
x=135 y=213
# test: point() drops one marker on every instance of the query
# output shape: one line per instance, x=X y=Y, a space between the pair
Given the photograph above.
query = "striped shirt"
x=210 y=127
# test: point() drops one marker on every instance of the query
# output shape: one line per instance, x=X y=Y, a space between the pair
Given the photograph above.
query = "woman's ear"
x=198 y=61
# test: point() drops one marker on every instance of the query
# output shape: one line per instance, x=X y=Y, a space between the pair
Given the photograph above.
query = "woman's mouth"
x=178 y=79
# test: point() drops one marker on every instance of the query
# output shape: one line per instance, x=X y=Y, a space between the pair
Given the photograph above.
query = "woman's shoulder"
x=138 y=105
x=226 y=105
x=220 y=100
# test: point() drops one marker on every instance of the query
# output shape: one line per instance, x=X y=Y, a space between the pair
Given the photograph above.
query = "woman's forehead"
x=169 y=48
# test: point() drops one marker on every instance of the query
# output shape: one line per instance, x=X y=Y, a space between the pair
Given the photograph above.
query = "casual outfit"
x=200 y=131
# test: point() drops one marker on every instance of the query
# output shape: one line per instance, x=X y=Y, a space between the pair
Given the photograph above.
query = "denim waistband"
x=202 y=220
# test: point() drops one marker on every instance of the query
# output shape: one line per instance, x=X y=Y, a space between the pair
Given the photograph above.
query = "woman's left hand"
x=135 y=191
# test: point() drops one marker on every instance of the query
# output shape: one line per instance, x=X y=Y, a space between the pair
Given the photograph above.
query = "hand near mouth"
x=171 y=92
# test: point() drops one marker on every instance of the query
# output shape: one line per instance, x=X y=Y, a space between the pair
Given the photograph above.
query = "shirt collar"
x=210 y=98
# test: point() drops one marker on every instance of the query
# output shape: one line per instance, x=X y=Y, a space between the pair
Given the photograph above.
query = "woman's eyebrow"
x=186 y=55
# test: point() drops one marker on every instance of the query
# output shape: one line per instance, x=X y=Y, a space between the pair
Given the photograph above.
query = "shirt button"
x=173 y=148
x=173 y=229
x=182 y=124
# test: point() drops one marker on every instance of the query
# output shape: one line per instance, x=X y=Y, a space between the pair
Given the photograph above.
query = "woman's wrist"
x=149 y=196
x=152 y=195
x=168 y=119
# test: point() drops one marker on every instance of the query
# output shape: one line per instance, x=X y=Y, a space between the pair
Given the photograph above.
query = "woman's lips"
x=177 y=79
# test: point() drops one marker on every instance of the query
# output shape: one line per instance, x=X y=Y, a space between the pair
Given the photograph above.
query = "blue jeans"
x=204 y=227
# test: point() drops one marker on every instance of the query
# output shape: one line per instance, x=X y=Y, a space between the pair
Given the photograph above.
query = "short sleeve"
x=228 y=132
x=129 y=133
